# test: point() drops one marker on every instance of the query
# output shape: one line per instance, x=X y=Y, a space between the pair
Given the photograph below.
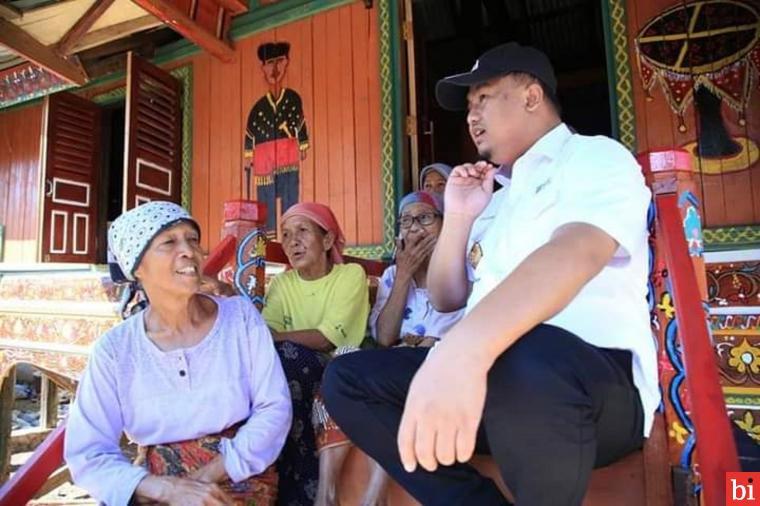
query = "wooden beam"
x=58 y=478
x=168 y=12
x=26 y=46
x=7 y=11
x=48 y=403
x=114 y=32
x=235 y=7
x=82 y=26
x=7 y=397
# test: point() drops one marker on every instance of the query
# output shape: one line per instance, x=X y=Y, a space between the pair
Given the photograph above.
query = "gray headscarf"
x=131 y=233
x=441 y=168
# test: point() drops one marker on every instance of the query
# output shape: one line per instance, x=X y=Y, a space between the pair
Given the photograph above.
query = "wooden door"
x=71 y=169
x=152 y=161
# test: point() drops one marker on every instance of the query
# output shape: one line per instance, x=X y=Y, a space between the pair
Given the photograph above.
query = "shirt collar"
x=550 y=145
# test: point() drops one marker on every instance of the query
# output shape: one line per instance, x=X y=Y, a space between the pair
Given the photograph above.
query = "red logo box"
x=742 y=489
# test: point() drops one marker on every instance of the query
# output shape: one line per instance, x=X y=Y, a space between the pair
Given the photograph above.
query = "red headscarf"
x=324 y=217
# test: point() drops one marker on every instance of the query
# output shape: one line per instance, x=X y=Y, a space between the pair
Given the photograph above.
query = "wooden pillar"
x=672 y=172
x=241 y=217
x=48 y=403
x=7 y=393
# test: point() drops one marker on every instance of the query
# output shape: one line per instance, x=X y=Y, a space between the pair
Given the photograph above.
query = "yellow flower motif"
x=748 y=424
x=744 y=356
x=261 y=247
x=678 y=432
x=666 y=306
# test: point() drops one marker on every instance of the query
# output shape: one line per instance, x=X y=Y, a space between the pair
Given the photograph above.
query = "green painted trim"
x=111 y=96
x=609 y=54
x=742 y=400
x=390 y=99
x=263 y=18
x=36 y=94
x=399 y=133
x=390 y=92
x=623 y=92
x=185 y=75
x=732 y=238
x=102 y=81
x=21 y=105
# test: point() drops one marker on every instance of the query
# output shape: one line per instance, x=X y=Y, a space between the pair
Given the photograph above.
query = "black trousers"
x=556 y=407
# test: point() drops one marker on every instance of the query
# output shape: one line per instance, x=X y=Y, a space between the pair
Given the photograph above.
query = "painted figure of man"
x=276 y=139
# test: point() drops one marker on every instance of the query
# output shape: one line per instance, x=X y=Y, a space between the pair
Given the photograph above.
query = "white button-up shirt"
x=569 y=178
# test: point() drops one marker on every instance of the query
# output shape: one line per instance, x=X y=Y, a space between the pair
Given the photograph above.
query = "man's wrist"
x=473 y=352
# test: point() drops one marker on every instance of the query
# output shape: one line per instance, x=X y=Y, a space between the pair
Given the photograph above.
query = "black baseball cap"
x=451 y=91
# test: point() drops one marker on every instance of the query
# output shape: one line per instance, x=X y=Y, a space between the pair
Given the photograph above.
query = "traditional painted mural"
x=696 y=70
x=276 y=137
x=323 y=88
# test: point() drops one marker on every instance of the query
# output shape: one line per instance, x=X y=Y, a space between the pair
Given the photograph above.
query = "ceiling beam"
x=168 y=12
x=82 y=26
x=7 y=11
x=26 y=46
x=117 y=31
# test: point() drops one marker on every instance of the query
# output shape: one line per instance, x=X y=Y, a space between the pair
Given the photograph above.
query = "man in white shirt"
x=553 y=369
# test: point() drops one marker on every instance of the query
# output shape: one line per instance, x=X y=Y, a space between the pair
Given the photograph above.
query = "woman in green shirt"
x=314 y=310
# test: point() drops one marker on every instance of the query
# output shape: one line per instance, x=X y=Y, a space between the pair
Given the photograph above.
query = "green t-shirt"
x=337 y=305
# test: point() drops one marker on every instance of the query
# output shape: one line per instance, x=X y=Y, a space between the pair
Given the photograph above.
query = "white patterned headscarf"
x=132 y=232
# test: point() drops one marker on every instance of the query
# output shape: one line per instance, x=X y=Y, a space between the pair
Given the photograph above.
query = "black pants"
x=284 y=186
x=556 y=407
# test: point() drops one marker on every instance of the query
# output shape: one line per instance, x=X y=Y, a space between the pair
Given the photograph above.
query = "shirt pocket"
x=532 y=221
x=540 y=204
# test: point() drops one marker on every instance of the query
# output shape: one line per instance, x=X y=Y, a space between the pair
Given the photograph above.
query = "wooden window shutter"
x=71 y=172
x=152 y=162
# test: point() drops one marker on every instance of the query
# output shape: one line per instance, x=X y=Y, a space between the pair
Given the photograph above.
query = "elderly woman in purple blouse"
x=193 y=379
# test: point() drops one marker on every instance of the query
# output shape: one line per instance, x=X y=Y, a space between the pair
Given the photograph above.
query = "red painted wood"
x=19 y=181
x=351 y=208
x=25 y=482
x=200 y=170
x=363 y=140
x=340 y=91
x=220 y=256
x=717 y=454
x=320 y=133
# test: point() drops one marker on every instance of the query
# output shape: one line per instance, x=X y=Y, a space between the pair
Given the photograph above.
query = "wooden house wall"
x=334 y=66
x=19 y=181
x=731 y=197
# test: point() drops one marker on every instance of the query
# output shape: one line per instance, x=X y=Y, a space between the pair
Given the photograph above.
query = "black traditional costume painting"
x=276 y=138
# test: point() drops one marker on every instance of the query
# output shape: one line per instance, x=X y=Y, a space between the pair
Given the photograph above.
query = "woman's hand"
x=427 y=342
x=409 y=257
x=181 y=492
x=413 y=340
x=213 y=472
x=213 y=286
